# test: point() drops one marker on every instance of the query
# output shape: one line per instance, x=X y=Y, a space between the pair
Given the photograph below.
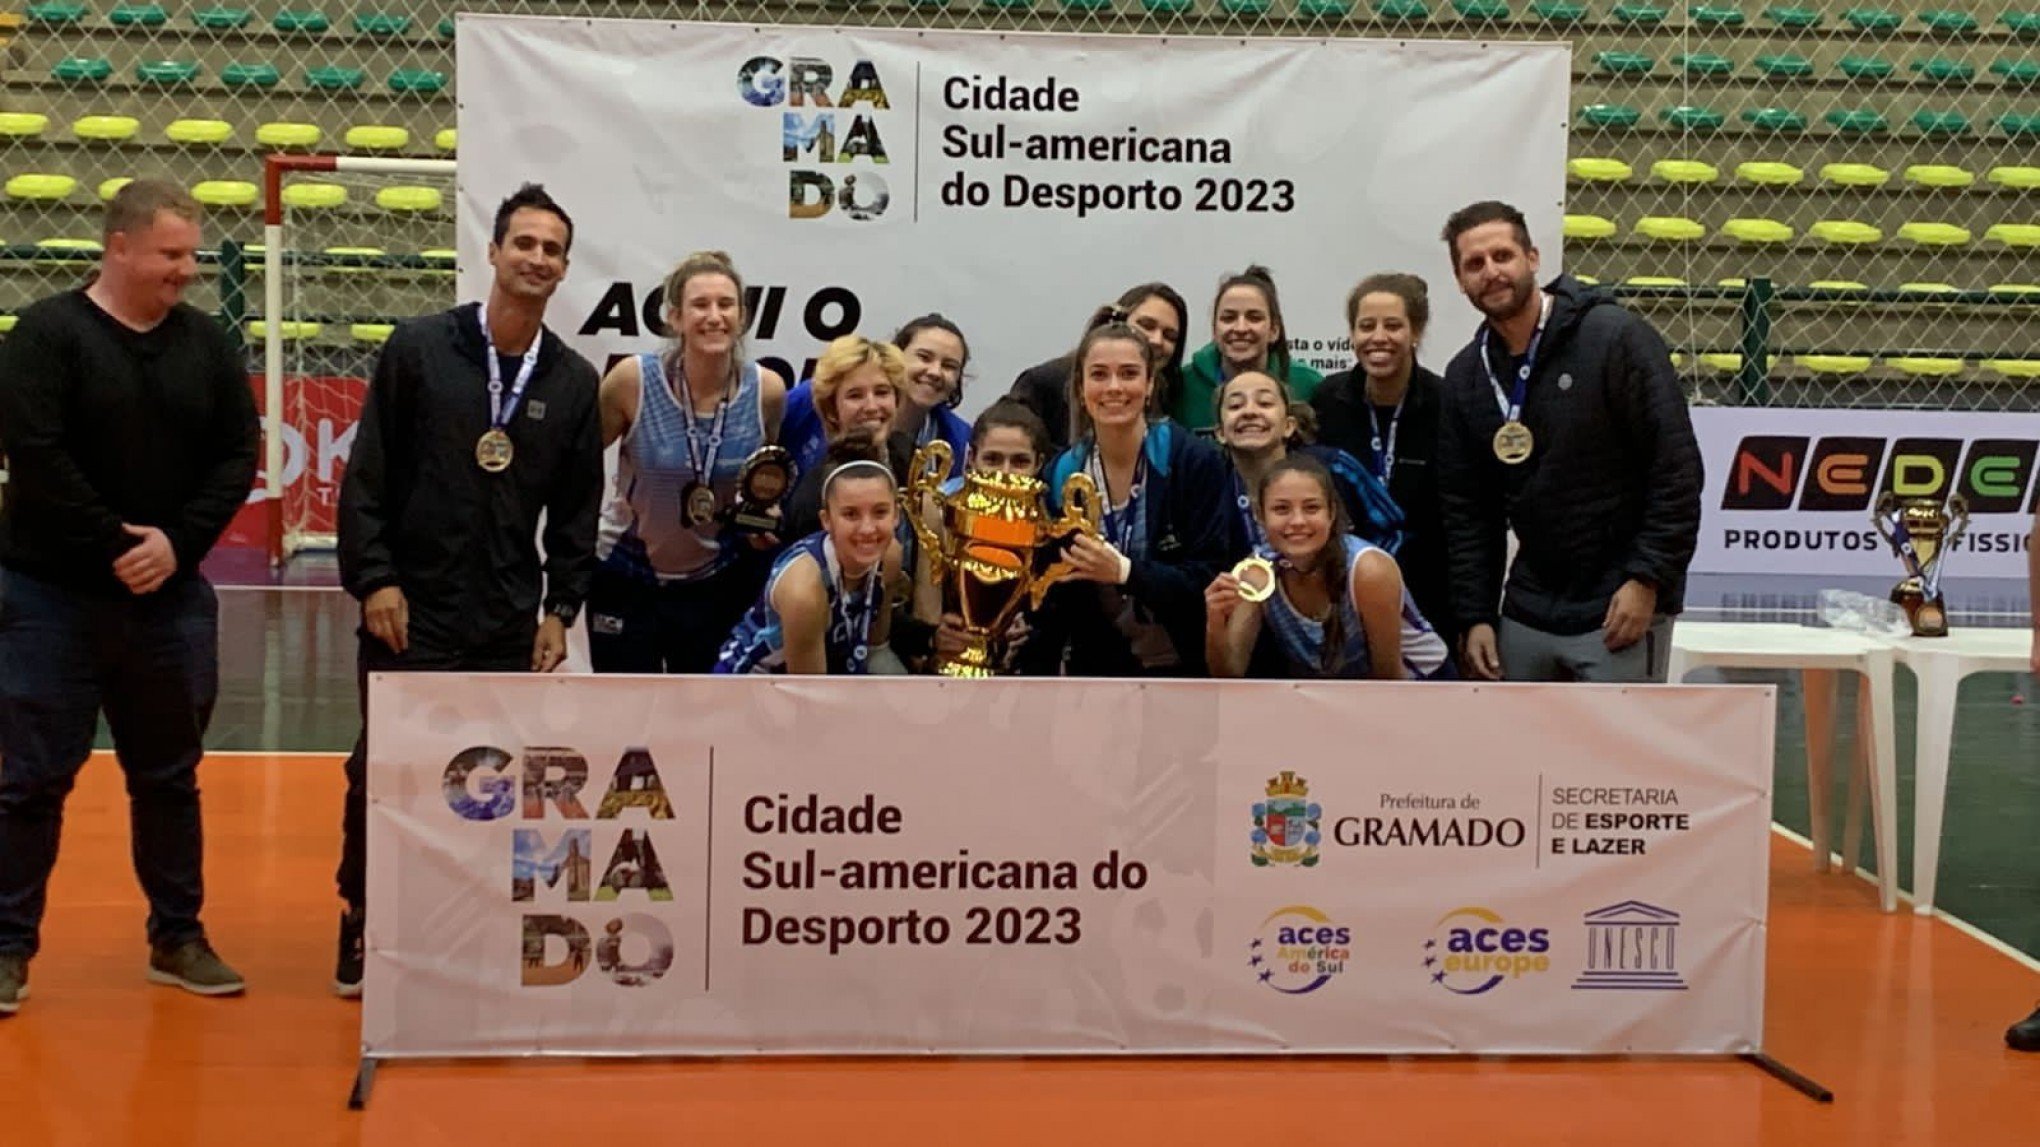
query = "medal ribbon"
x=856 y=611
x=501 y=412
x=1511 y=403
x=1120 y=526
x=1384 y=459
x=1255 y=534
x=1930 y=583
x=702 y=460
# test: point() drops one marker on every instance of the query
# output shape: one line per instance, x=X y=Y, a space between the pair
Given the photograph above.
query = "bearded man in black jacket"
x=1563 y=421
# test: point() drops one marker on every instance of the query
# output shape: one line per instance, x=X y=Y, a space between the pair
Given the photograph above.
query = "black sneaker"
x=195 y=967
x=347 y=965
x=13 y=983
x=2021 y=1036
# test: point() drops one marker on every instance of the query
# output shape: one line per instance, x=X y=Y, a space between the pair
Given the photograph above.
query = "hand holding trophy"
x=985 y=554
x=765 y=478
x=1919 y=531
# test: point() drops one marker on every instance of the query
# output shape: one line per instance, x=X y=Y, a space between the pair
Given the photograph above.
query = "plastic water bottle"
x=1860 y=613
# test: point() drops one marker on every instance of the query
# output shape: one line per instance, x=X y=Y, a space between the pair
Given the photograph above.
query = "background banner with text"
x=1013 y=182
x=577 y=865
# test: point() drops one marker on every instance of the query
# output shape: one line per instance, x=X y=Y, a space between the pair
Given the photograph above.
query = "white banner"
x=1012 y=181
x=733 y=866
x=1791 y=491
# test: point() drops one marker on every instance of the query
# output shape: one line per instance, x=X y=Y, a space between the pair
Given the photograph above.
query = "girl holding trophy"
x=1329 y=605
x=1257 y=427
x=695 y=423
x=825 y=607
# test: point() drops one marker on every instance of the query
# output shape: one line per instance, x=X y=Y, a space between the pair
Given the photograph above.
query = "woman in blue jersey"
x=1135 y=606
x=825 y=606
x=673 y=575
x=1331 y=605
x=1257 y=425
x=935 y=354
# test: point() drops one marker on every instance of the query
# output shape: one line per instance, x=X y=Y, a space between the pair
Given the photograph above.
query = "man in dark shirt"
x=130 y=431
x=477 y=421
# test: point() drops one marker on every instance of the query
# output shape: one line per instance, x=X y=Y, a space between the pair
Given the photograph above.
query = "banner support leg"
x=364 y=1082
x=1796 y=1081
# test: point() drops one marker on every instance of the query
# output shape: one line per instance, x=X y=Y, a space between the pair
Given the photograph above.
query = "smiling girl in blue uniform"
x=1258 y=428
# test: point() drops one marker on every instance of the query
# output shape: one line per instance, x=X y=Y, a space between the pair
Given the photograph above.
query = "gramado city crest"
x=1286 y=824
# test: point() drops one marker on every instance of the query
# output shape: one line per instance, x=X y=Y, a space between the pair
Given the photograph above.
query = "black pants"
x=508 y=654
x=152 y=663
x=679 y=627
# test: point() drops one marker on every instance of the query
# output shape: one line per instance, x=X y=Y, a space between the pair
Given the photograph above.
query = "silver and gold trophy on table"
x=1920 y=531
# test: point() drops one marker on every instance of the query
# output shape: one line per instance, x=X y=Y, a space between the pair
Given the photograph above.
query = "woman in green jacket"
x=1247 y=333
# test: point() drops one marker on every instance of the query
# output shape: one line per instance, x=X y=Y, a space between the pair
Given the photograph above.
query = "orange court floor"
x=1902 y=1017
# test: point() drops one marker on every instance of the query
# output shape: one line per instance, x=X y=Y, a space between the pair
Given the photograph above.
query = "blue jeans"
x=152 y=664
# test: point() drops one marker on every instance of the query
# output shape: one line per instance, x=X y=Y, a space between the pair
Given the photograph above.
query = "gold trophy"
x=1919 y=531
x=990 y=552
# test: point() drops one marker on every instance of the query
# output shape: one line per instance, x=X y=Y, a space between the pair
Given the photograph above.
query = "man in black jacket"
x=477 y=421
x=130 y=429
x=1563 y=421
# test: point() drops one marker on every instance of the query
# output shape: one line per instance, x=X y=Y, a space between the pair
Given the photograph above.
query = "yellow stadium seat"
x=1589 y=227
x=68 y=247
x=1653 y=281
x=1685 y=171
x=287 y=330
x=409 y=199
x=377 y=137
x=2016 y=289
x=1766 y=173
x=1844 y=231
x=23 y=125
x=1678 y=361
x=1925 y=367
x=7 y=323
x=1854 y=175
x=106 y=128
x=199 y=132
x=1591 y=170
x=440 y=257
x=2014 y=234
x=40 y=188
x=1589 y=280
x=314 y=196
x=1731 y=363
x=445 y=139
x=377 y=333
x=111 y=187
x=1838 y=285
x=2015 y=367
x=1670 y=229
x=1928 y=288
x=1757 y=231
x=284 y=133
x=2017 y=178
x=1934 y=234
x=1834 y=363
x=349 y=252
x=1736 y=284
x=1938 y=175
x=226 y=193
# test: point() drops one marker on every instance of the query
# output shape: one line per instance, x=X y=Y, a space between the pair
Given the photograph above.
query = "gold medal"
x=699 y=504
x=1513 y=443
x=1256 y=576
x=493 y=451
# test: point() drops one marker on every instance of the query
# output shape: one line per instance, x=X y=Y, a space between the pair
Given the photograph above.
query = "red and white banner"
x=747 y=865
x=318 y=434
x=1791 y=491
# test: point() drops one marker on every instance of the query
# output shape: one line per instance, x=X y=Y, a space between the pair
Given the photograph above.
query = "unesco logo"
x=1631 y=947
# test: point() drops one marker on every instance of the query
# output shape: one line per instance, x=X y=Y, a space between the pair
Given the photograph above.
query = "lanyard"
x=856 y=611
x=1512 y=402
x=1245 y=504
x=1120 y=525
x=501 y=412
x=703 y=461
x=1384 y=458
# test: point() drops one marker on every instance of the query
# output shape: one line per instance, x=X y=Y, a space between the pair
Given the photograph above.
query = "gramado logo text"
x=813 y=135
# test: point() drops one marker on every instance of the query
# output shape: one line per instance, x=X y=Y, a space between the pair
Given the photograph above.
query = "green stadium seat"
x=1940 y=176
x=1589 y=227
x=445 y=139
x=1685 y=171
x=374 y=334
x=1670 y=229
x=1704 y=64
x=1866 y=68
x=138 y=16
x=1592 y=170
x=23 y=125
x=1854 y=175
x=2024 y=235
x=1623 y=63
x=1245 y=7
x=2017 y=73
x=222 y=19
x=226 y=193
x=1610 y=115
x=2014 y=177
x=1920 y=367
x=1716 y=15
x=1068 y=6
x=288 y=135
x=1948 y=22
x=1934 y=234
x=1481 y=11
x=1858 y=121
x=1008 y=5
x=38 y=187
x=417 y=81
x=1177 y=7
x=409 y=200
x=1846 y=232
x=1778 y=121
x=1834 y=363
x=1757 y=231
x=199 y=132
x=334 y=79
x=2012 y=123
x=1402 y=11
x=445 y=28
x=314 y=196
x=2022 y=25
x=377 y=137
x=1788 y=16
x=1769 y=173
x=250 y=76
x=1940 y=123
x=1877 y=21
x=1943 y=70
x=1692 y=117
x=1639 y=15
x=383 y=25
x=1559 y=12
x=106 y=128
x=302 y=21
x=82 y=70
x=1783 y=67
x=2022 y=368
x=57 y=15
x=167 y=73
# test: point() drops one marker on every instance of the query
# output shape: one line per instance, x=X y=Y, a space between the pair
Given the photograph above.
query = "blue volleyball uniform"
x=1301 y=640
x=758 y=645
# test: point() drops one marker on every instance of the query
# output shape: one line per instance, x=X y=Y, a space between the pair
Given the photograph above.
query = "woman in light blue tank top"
x=1332 y=605
x=674 y=571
